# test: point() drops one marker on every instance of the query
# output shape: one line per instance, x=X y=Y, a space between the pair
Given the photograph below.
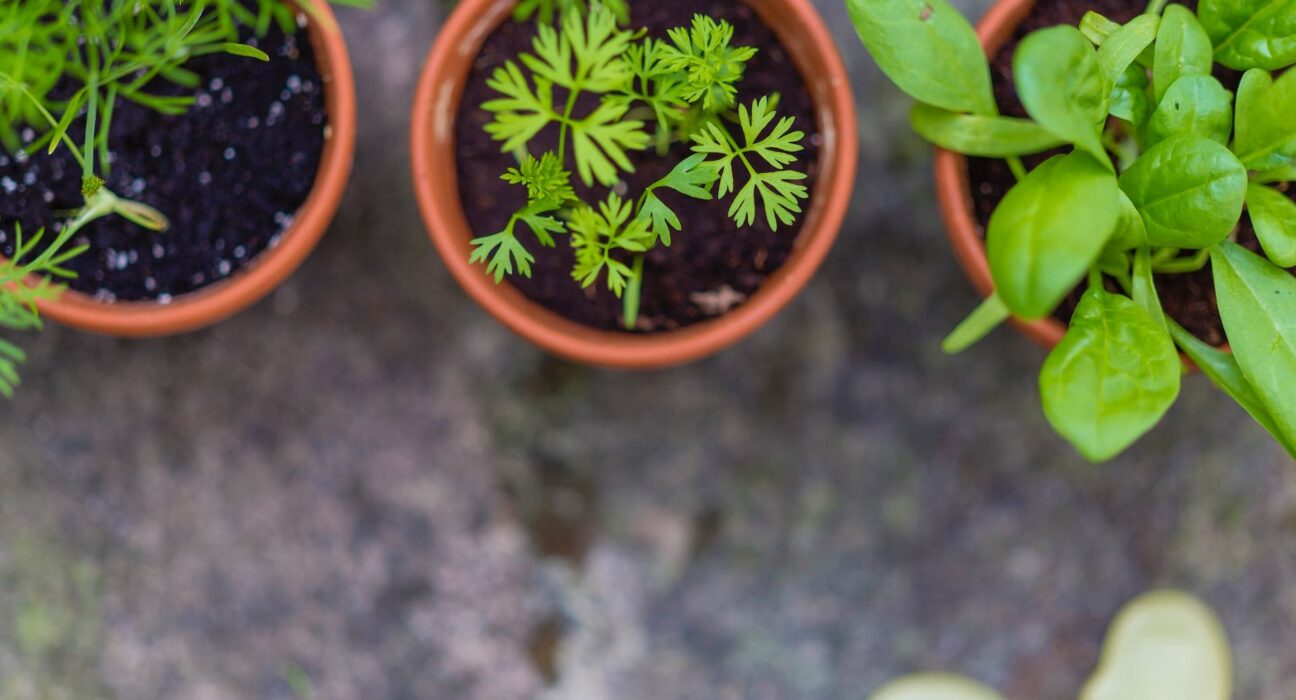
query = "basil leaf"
x=988 y=316
x=1223 y=370
x=1273 y=215
x=1062 y=87
x=1265 y=138
x=1257 y=302
x=1129 y=98
x=1112 y=378
x=1120 y=50
x=1195 y=104
x=1190 y=191
x=1182 y=48
x=1251 y=33
x=927 y=49
x=1049 y=230
x=1164 y=645
x=977 y=135
x=935 y=686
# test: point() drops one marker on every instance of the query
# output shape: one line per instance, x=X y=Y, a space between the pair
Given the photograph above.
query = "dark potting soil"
x=230 y=174
x=711 y=266
x=1188 y=298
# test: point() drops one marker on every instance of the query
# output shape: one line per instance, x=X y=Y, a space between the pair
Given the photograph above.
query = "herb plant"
x=1161 y=158
x=65 y=65
x=647 y=94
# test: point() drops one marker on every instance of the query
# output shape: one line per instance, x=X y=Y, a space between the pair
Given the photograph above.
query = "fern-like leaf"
x=597 y=235
x=713 y=66
x=693 y=177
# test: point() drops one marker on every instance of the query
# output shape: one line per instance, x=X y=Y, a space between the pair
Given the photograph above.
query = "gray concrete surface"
x=365 y=488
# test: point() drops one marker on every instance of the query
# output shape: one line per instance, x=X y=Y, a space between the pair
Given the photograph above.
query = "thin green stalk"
x=1156 y=7
x=1180 y=266
x=630 y=302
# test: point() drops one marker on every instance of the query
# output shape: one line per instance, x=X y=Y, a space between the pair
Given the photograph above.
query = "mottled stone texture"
x=365 y=488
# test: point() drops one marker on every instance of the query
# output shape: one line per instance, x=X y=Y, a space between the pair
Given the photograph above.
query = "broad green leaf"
x=1257 y=302
x=1164 y=646
x=1062 y=87
x=1182 y=49
x=1273 y=214
x=1195 y=104
x=988 y=316
x=1049 y=230
x=1265 y=138
x=1131 y=232
x=1251 y=33
x=1222 y=369
x=1120 y=50
x=1097 y=27
x=1112 y=378
x=935 y=686
x=1190 y=191
x=984 y=136
x=1129 y=98
x=929 y=50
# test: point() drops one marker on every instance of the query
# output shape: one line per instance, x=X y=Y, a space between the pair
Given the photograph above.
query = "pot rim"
x=435 y=111
x=264 y=273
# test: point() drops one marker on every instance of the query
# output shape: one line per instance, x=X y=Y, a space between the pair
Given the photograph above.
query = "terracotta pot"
x=436 y=107
x=269 y=269
x=955 y=194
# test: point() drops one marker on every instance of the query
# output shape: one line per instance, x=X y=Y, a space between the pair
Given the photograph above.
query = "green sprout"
x=687 y=87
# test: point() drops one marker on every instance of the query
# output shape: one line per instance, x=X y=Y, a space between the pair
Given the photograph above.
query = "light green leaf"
x=1190 y=191
x=1131 y=232
x=1129 y=98
x=1195 y=104
x=245 y=51
x=1222 y=369
x=1097 y=27
x=1265 y=139
x=929 y=50
x=1049 y=230
x=935 y=686
x=1251 y=33
x=1062 y=87
x=988 y=316
x=1164 y=646
x=984 y=136
x=1182 y=49
x=1257 y=302
x=1112 y=378
x=1124 y=46
x=1273 y=214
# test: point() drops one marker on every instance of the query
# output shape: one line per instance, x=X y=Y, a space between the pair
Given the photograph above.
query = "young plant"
x=1160 y=160
x=65 y=63
x=646 y=94
x=1164 y=645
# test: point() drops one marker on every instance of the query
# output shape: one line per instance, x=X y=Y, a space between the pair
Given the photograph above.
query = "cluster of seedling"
x=66 y=65
x=647 y=94
x=1162 y=160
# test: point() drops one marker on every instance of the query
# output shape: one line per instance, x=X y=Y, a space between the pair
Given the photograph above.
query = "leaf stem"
x=1156 y=7
x=633 y=292
x=1179 y=266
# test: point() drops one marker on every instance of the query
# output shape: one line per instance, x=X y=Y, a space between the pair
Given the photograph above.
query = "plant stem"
x=630 y=302
x=1018 y=168
x=1156 y=7
x=1180 y=266
x=566 y=124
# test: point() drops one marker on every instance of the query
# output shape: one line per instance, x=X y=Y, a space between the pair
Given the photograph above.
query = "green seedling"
x=64 y=63
x=648 y=94
x=1159 y=162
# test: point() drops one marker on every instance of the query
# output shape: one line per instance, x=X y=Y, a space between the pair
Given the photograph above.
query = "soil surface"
x=230 y=175
x=711 y=266
x=1189 y=298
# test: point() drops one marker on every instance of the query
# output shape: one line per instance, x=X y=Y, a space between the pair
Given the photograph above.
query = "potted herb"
x=164 y=163
x=1164 y=645
x=1112 y=158
x=633 y=184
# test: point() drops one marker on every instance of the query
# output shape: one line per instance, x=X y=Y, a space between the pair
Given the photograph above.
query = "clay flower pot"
x=268 y=270
x=955 y=193
x=802 y=33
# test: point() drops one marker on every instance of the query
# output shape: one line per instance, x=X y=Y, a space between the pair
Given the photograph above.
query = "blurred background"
x=366 y=488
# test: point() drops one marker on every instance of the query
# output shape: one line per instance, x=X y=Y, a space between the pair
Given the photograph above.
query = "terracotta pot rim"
x=218 y=301
x=435 y=112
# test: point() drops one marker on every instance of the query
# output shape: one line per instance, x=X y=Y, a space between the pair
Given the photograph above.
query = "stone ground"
x=365 y=488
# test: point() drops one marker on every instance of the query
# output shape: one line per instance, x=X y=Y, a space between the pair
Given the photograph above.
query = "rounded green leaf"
x=1062 y=86
x=1190 y=191
x=1195 y=104
x=1265 y=138
x=1129 y=98
x=1120 y=50
x=1112 y=378
x=935 y=686
x=1049 y=230
x=1257 y=302
x=1182 y=48
x=1164 y=646
x=1251 y=33
x=977 y=135
x=927 y=49
x=1273 y=214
